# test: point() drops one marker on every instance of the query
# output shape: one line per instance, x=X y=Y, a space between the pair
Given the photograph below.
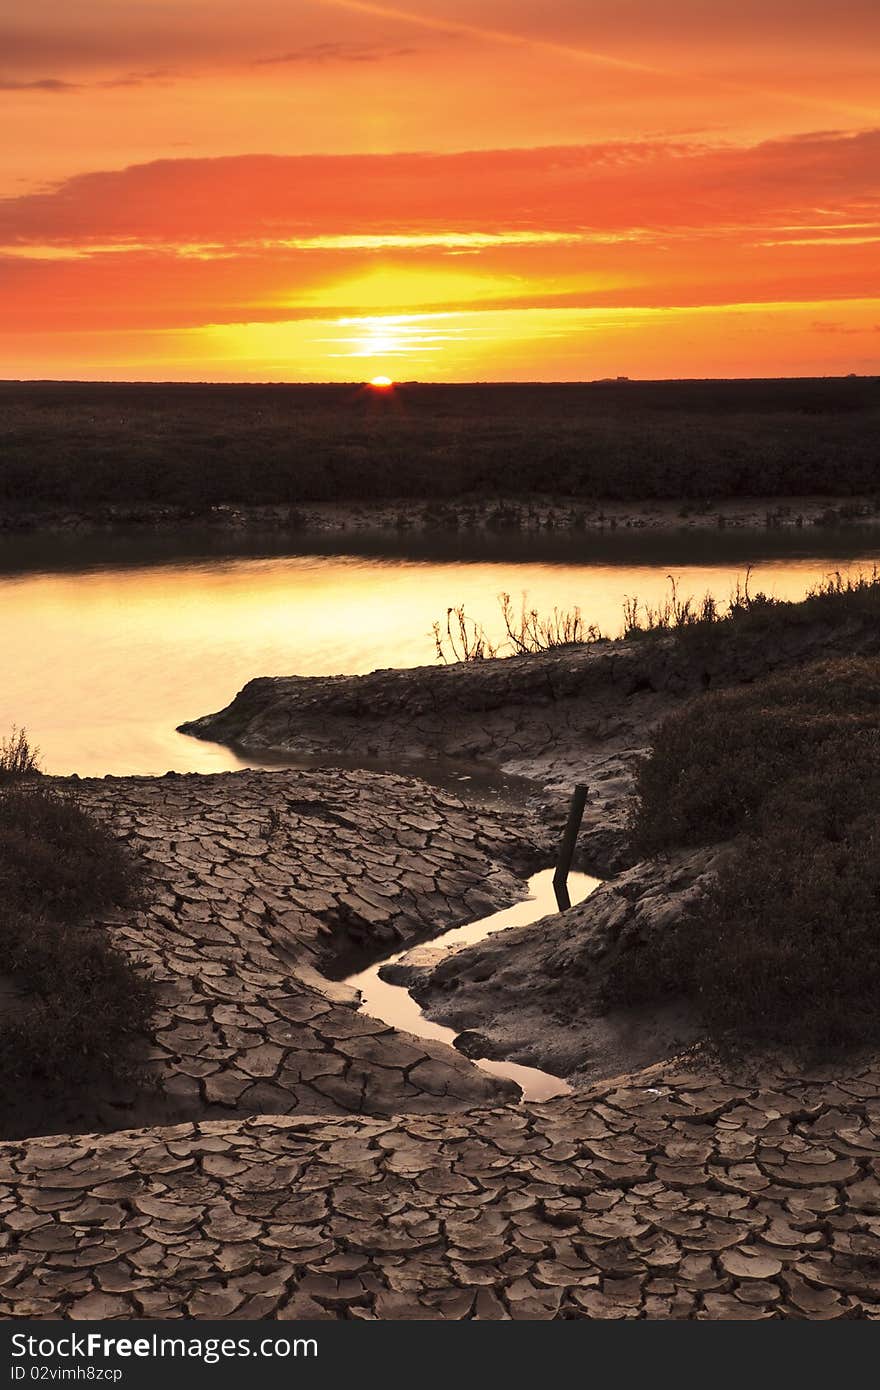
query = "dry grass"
x=705 y=622
x=527 y=632
x=17 y=757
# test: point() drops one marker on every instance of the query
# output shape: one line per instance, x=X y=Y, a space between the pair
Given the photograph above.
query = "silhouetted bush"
x=81 y=1004
x=527 y=632
x=714 y=763
x=784 y=947
x=17 y=757
x=705 y=626
x=834 y=600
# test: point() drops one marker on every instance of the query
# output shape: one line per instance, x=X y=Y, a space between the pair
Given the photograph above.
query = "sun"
x=382 y=383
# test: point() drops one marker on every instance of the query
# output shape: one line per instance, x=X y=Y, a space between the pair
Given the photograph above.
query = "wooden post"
x=566 y=848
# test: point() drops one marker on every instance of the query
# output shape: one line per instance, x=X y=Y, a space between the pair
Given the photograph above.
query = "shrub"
x=464 y=639
x=82 y=1002
x=705 y=625
x=527 y=632
x=834 y=599
x=784 y=946
x=17 y=757
x=714 y=763
x=84 y=1005
x=56 y=859
x=530 y=631
x=672 y=612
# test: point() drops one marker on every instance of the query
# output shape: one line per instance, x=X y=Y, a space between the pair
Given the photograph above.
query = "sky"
x=453 y=190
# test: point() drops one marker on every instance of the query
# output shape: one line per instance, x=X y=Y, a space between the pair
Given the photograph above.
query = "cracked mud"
x=673 y=1194
x=295 y=1158
x=261 y=884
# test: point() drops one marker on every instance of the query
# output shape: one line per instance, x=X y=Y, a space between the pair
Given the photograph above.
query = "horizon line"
x=621 y=380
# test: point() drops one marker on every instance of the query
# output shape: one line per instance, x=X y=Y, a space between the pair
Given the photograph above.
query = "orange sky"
x=447 y=189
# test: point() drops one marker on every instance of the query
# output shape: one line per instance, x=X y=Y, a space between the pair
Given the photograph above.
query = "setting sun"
x=704 y=204
x=390 y=390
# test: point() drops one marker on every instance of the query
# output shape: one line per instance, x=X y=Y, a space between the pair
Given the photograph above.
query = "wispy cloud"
x=441 y=240
x=61 y=87
x=581 y=52
x=39 y=84
x=830 y=240
x=137 y=79
x=847 y=329
x=467 y=29
x=323 y=53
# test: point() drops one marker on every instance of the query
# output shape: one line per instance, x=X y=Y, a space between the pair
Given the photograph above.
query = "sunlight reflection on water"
x=103 y=658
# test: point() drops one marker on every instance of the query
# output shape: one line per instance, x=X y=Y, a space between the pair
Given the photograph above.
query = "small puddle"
x=393 y=1004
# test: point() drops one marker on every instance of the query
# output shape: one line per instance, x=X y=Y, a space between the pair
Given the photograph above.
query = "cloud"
x=323 y=53
x=182 y=242
x=62 y=87
x=94 y=37
x=834 y=326
x=678 y=187
x=137 y=79
x=39 y=84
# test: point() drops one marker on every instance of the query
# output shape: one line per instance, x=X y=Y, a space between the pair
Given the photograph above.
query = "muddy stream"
x=394 y=1004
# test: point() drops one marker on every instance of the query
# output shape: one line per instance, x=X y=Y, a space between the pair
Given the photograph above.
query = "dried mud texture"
x=670 y=1194
x=533 y=994
x=574 y=714
x=258 y=883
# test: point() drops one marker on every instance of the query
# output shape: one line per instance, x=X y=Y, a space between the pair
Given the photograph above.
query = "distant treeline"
x=194 y=446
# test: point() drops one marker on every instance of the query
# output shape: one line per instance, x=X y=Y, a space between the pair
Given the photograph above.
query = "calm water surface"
x=108 y=643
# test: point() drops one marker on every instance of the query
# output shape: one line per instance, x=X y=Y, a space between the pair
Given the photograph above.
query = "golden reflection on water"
x=101 y=666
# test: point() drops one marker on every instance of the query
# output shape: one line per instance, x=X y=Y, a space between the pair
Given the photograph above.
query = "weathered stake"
x=566 y=848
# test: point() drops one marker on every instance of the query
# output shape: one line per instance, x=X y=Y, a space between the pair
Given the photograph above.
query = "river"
x=110 y=640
